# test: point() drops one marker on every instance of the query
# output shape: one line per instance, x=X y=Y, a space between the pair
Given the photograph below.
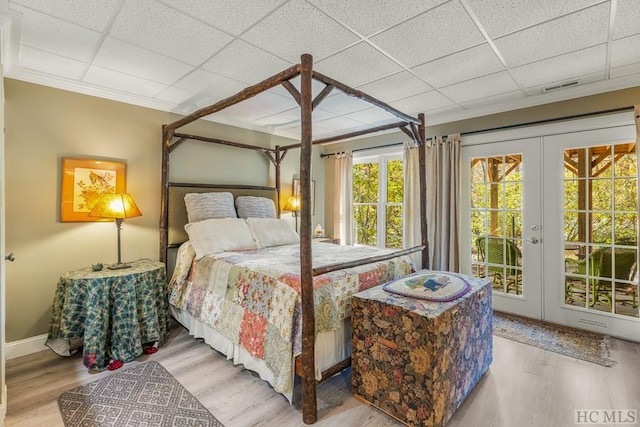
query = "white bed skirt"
x=331 y=347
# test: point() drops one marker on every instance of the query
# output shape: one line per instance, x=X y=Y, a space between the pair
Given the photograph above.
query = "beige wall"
x=584 y=105
x=42 y=126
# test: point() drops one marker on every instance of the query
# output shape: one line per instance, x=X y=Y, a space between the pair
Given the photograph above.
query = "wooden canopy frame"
x=413 y=127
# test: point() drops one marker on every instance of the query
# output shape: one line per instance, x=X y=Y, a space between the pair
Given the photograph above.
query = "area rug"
x=144 y=395
x=571 y=342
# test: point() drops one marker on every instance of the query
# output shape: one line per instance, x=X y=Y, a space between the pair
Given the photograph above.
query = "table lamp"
x=117 y=206
x=293 y=205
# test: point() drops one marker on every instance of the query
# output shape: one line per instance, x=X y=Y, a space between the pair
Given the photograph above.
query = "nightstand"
x=111 y=313
x=327 y=240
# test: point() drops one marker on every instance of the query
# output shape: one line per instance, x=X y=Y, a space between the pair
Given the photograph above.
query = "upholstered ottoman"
x=417 y=360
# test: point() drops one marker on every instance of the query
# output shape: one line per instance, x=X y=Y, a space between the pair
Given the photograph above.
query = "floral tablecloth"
x=112 y=313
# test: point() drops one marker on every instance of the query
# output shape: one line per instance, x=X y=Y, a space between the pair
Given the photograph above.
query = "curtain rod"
x=322 y=155
x=507 y=127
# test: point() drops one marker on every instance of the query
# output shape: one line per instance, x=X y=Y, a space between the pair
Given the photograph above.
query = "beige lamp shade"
x=293 y=204
x=115 y=205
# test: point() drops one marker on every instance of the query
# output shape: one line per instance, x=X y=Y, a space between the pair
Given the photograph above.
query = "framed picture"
x=83 y=182
x=296 y=192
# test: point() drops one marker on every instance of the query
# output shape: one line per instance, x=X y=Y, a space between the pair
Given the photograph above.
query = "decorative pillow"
x=201 y=206
x=272 y=232
x=255 y=207
x=216 y=235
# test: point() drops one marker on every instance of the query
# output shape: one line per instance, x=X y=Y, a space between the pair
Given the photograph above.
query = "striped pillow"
x=255 y=207
x=201 y=206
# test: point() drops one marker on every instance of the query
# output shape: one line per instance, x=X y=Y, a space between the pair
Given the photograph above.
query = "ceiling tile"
x=396 y=86
x=93 y=14
x=297 y=28
x=359 y=64
x=422 y=103
x=174 y=95
x=430 y=35
x=373 y=115
x=292 y=116
x=627 y=70
x=117 y=55
x=625 y=51
x=163 y=30
x=627 y=21
x=259 y=106
x=492 y=100
x=122 y=82
x=200 y=81
x=493 y=84
x=468 y=64
x=339 y=123
x=573 y=32
x=562 y=68
x=353 y=14
x=53 y=35
x=49 y=63
x=340 y=103
x=232 y=16
x=499 y=17
x=241 y=61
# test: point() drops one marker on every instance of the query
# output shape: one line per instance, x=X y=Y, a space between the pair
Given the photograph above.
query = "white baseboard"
x=26 y=346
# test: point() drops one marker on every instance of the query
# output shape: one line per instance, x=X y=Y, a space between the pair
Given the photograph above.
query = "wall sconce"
x=116 y=206
x=293 y=205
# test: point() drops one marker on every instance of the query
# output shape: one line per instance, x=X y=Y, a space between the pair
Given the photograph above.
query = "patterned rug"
x=144 y=395
x=571 y=342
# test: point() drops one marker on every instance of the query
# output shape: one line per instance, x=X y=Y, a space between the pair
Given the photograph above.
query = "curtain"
x=342 y=186
x=636 y=115
x=411 y=214
x=443 y=188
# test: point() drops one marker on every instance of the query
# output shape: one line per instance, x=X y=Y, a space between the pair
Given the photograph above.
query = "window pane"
x=394 y=227
x=601 y=161
x=365 y=183
x=478 y=170
x=495 y=169
x=571 y=195
x=478 y=223
x=571 y=227
x=601 y=194
x=513 y=167
x=626 y=164
x=479 y=196
x=395 y=181
x=625 y=194
x=626 y=229
x=601 y=228
x=365 y=220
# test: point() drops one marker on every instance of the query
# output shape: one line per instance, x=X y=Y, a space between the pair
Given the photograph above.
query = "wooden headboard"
x=177 y=218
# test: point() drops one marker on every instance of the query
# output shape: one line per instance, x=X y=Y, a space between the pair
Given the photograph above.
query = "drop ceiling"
x=450 y=59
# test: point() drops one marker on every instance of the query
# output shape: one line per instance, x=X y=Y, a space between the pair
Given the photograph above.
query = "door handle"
x=533 y=240
x=11 y=257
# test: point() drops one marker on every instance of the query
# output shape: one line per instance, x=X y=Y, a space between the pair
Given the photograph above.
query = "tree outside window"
x=378 y=195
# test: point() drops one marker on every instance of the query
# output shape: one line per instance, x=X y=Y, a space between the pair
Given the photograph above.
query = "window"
x=378 y=187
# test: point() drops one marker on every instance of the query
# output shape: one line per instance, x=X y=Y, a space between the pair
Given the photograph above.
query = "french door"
x=552 y=221
x=591 y=233
x=501 y=200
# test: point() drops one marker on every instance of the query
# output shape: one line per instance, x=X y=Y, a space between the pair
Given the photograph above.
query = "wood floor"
x=525 y=386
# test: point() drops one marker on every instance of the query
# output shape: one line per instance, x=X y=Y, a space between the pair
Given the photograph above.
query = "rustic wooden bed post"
x=167 y=135
x=309 y=404
x=422 y=173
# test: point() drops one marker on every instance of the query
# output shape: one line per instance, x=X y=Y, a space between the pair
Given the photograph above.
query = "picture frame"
x=296 y=192
x=84 y=180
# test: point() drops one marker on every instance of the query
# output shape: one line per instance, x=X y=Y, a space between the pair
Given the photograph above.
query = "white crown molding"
x=587 y=89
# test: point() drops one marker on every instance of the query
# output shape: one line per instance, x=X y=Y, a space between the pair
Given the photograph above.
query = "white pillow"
x=255 y=207
x=201 y=206
x=217 y=235
x=272 y=232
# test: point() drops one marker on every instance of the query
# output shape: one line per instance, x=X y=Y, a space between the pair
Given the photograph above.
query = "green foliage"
x=366 y=202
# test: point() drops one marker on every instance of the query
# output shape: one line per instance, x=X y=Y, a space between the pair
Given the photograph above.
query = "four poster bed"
x=266 y=304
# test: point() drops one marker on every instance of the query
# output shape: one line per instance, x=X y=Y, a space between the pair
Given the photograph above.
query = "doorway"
x=552 y=221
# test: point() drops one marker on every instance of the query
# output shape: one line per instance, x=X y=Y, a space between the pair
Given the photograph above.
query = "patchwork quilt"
x=253 y=297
